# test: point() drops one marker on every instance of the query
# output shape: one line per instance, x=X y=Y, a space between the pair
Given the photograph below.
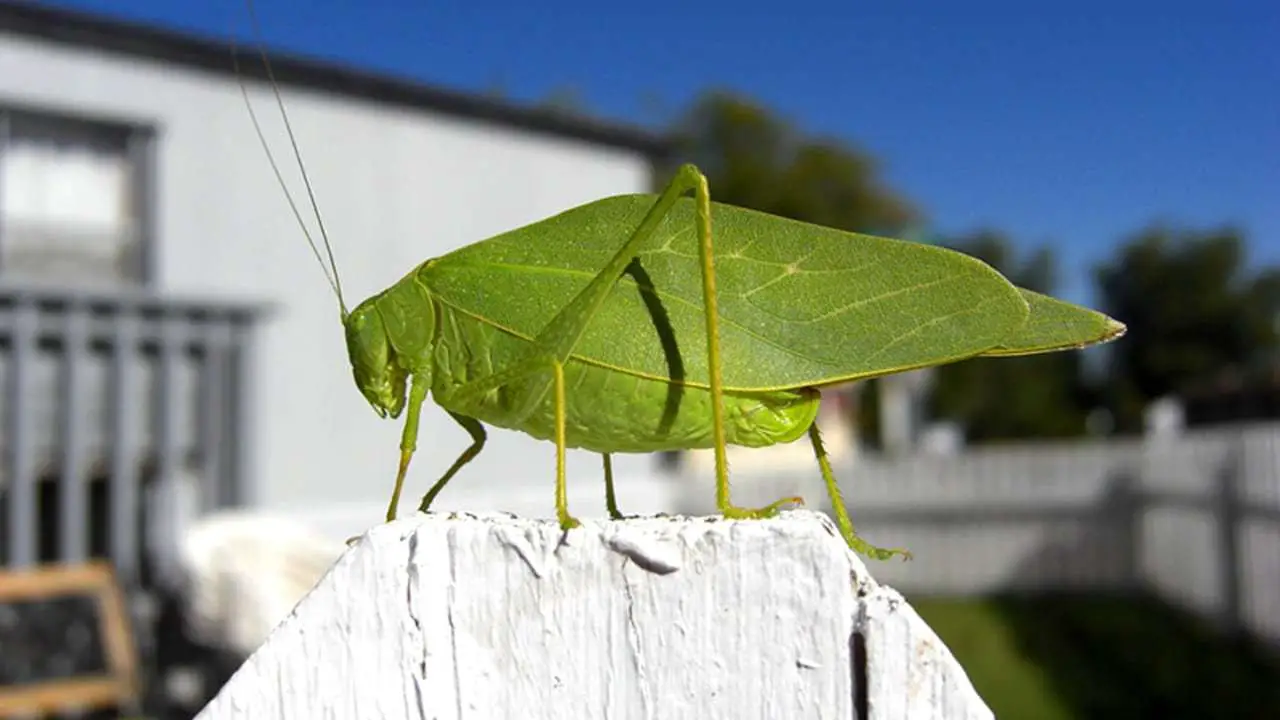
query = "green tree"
x=755 y=159
x=1195 y=312
x=1012 y=398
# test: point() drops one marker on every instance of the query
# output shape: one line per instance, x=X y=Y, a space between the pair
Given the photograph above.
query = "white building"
x=129 y=168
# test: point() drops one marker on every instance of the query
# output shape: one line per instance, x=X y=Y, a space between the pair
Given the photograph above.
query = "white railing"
x=1194 y=518
x=112 y=405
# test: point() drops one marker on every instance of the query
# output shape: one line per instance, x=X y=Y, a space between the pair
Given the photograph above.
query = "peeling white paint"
x=490 y=616
x=656 y=554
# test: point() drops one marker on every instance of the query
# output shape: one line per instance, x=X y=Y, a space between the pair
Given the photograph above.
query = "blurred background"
x=1096 y=534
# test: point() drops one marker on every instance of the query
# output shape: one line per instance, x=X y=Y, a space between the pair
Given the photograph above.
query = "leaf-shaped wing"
x=1055 y=325
x=800 y=305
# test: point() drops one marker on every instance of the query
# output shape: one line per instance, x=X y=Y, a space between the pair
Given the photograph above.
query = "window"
x=72 y=205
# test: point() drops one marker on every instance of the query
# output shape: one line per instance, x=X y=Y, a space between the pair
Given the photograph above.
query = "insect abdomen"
x=608 y=410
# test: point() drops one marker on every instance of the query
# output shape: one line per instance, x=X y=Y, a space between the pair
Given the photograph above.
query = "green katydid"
x=626 y=325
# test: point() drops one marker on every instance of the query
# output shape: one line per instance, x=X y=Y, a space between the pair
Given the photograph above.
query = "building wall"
x=395 y=186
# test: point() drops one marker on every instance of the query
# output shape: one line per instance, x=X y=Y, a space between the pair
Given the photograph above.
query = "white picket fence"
x=1194 y=517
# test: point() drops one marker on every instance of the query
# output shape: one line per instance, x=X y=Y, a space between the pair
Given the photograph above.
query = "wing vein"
x=754 y=335
x=916 y=330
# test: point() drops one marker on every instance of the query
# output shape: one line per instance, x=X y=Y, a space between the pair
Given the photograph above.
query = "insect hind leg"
x=555 y=343
x=693 y=179
x=567 y=521
x=837 y=505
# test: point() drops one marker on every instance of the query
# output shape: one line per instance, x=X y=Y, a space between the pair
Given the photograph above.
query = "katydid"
x=626 y=325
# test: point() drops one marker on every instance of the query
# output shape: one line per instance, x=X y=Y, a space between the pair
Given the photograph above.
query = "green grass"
x=1092 y=656
x=1014 y=685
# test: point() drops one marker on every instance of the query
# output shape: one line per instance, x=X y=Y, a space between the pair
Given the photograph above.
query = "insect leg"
x=408 y=439
x=477 y=433
x=556 y=341
x=567 y=521
x=837 y=505
x=702 y=198
x=610 y=499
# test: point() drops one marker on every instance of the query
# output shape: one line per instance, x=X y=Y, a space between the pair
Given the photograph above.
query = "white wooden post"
x=491 y=616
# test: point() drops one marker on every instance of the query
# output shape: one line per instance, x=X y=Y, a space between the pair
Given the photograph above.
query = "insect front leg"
x=409 y=438
x=837 y=505
x=478 y=436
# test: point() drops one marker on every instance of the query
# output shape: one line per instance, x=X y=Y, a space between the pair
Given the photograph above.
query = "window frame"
x=140 y=143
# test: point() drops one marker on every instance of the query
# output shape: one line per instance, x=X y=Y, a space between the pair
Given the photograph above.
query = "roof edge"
x=153 y=42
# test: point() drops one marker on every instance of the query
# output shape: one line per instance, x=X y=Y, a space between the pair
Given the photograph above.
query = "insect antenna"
x=330 y=270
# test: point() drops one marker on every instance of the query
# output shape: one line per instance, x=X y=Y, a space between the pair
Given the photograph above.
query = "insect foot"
x=738 y=513
x=865 y=548
x=569 y=522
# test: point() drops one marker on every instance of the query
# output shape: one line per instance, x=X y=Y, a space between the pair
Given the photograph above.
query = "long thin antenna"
x=335 y=281
x=280 y=178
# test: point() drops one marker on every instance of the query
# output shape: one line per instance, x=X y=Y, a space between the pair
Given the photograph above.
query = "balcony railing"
x=118 y=411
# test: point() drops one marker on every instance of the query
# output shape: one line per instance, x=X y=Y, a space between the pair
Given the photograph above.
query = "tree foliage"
x=1195 y=312
x=755 y=159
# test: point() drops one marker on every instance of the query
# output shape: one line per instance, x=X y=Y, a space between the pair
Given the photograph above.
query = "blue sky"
x=1074 y=126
